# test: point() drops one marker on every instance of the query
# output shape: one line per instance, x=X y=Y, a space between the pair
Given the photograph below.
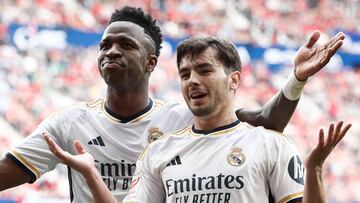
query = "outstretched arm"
x=84 y=164
x=309 y=60
x=314 y=189
x=11 y=175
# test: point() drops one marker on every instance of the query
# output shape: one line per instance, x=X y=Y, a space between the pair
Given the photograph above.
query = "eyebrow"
x=113 y=37
x=198 y=66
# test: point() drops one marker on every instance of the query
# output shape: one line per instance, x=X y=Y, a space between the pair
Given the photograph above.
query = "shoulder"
x=158 y=103
x=175 y=106
x=172 y=116
x=77 y=110
x=167 y=142
x=273 y=136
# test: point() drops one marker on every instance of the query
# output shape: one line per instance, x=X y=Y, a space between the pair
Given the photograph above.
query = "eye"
x=104 y=46
x=127 y=45
x=205 y=71
x=184 y=76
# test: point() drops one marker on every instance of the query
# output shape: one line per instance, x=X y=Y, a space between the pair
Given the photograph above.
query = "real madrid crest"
x=235 y=157
x=153 y=134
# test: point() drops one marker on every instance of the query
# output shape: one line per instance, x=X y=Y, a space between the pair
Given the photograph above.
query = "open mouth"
x=197 y=95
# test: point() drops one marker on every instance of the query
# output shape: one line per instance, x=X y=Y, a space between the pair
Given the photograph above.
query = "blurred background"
x=48 y=51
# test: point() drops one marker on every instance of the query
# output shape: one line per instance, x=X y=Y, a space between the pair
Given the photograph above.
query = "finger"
x=332 y=40
x=335 y=47
x=313 y=39
x=338 y=127
x=331 y=51
x=54 y=148
x=79 y=148
x=339 y=37
x=49 y=142
x=321 y=138
x=343 y=133
x=337 y=134
x=330 y=135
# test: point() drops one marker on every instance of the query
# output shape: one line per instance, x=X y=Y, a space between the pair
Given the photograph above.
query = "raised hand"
x=324 y=147
x=82 y=162
x=309 y=59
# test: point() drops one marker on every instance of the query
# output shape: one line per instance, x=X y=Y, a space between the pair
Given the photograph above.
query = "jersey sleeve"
x=146 y=184
x=33 y=155
x=287 y=174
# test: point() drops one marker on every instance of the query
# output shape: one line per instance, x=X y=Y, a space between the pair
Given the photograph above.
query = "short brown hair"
x=226 y=52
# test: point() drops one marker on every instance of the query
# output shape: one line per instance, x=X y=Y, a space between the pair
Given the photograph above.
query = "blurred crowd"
x=38 y=81
x=260 y=22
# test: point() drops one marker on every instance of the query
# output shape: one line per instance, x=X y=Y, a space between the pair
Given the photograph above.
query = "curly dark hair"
x=146 y=21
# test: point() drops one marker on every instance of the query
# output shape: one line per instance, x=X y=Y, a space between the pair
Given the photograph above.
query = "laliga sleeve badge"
x=236 y=157
x=153 y=134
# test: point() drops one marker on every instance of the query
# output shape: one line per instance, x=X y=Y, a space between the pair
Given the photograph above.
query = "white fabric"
x=86 y=122
x=189 y=167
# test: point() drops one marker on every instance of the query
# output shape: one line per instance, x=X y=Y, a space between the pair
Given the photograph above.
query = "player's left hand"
x=310 y=60
x=317 y=156
x=82 y=162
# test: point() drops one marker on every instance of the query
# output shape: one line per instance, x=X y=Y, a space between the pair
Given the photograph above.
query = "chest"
x=218 y=165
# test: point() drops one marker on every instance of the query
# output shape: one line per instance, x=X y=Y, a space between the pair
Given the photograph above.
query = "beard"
x=213 y=106
x=202 y=111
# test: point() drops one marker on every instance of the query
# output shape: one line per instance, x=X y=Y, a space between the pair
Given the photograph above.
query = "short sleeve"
x=33 y=155
x=146 y=185
x=287 y=176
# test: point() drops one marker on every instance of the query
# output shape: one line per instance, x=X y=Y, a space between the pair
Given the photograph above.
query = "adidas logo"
x=97 y=141
x=175 y=161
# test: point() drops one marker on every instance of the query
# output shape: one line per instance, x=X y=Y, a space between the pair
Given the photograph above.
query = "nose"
x=113 y=52
x=193 y=79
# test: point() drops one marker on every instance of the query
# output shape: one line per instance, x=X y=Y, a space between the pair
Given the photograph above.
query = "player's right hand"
x=83 y=162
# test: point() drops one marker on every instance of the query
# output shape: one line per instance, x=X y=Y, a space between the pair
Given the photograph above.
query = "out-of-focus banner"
x=24 y=37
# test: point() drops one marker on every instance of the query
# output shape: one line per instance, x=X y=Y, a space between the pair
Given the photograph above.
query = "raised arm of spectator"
x=84 y=164
x=309 y=60
x=314 y=189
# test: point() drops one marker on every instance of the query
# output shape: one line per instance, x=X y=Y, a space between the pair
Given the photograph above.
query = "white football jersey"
x=114 y=142
x=234 y=163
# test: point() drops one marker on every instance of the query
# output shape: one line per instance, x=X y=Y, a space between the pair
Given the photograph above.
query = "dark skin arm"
x=275 y=114
x=11 y=175
x=309 y=60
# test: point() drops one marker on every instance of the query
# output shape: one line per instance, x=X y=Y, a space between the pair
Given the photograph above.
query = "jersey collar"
x=123 y=119
x=221 y=128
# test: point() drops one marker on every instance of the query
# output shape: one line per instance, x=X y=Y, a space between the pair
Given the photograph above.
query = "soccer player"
x=218 y=158
x=115 y=129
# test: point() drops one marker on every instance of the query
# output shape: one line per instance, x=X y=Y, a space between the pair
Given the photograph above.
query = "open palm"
x=324 y=147
x=310 y=59
x=82 y=162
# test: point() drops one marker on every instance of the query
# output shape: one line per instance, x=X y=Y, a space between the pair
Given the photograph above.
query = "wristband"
x=293 y=87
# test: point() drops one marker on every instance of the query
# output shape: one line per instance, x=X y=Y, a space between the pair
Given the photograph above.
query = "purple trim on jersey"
x=22 y=166
x=132 y=117
x=206 y=132
x=298 y=199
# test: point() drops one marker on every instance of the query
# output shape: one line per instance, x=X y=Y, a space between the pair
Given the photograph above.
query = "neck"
x=222 y=117
x=126 y=103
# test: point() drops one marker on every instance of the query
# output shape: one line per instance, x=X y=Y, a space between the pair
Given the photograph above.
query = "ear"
x=151 y=63
x=234 y=80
